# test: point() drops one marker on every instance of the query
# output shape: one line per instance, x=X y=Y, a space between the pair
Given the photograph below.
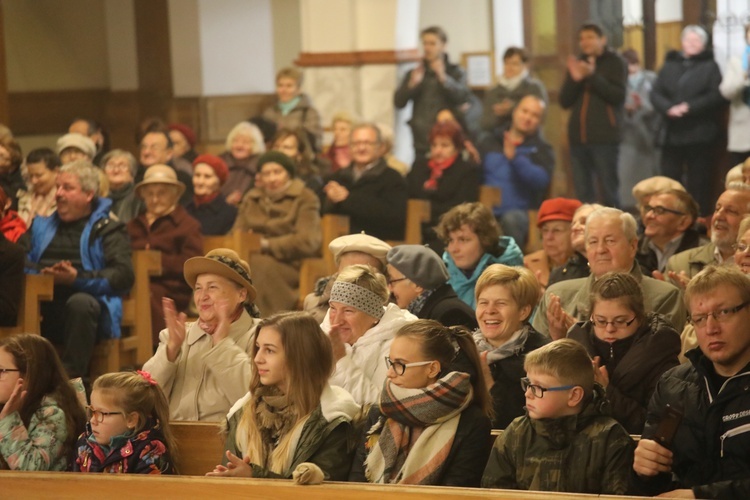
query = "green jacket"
x=585 y=453
x=326 y=438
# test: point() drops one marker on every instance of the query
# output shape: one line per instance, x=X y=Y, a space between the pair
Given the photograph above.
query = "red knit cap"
x=186 y=131
x=557 y=209
x=216 y=163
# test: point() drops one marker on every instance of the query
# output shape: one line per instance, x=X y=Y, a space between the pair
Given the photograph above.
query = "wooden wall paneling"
x=220 y=114
x=152 y=46
x=50 y=112
x=4 y=112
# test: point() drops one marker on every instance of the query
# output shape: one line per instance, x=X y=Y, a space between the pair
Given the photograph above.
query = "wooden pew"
x=489 y=196
x=135 y=347
x=36 y=288
x=199 y=446
x=417 y=213
x=70 y=486
x=312 y=269
x=534 y=241
x=242 y=242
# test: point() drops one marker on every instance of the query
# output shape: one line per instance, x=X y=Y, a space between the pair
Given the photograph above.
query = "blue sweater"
x=524 y=179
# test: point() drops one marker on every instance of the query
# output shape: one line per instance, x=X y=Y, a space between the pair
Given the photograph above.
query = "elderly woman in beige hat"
x=204 y=366
x=167 y=227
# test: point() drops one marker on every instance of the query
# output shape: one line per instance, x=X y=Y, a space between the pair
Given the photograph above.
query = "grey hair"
x=595 y=206
x=738 y=186
x=694 y=28
x=87 y=173
x=121 y=153
x=247 y=128
x=629 y=225
x=371 y=126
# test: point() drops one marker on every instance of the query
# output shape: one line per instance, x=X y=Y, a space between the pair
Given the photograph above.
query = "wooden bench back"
x=36 y=288
x=135 y=347
x=242 y=242
x=417 y=213
x=200 y=447
x=312 y=269
x=70 y=486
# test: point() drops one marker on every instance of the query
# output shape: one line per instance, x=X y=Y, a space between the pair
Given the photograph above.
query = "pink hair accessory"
x=147 y=377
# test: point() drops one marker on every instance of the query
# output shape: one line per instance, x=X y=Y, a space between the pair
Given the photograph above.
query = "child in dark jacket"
x=128 y=429
x=566 y=441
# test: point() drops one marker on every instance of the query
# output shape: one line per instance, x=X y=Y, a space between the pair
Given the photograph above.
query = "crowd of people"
x=402 y=362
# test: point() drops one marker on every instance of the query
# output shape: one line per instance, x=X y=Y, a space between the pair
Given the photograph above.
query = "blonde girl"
x=128 y=429
x=291 y=415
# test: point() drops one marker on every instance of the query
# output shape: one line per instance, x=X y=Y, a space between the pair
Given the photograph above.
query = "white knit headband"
x=358 y=297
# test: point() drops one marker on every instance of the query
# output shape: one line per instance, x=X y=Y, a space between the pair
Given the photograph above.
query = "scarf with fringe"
x=425 y=419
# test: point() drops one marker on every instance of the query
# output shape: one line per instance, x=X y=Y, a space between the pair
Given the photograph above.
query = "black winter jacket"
x=429 y=97
x=647 y=259
x=444 y=306
x=712 y=445
x=634 y=365
x=596 y=102
x=376 y=202
x=694 y=80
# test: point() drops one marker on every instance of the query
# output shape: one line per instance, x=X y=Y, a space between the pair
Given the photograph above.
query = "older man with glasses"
x=611 y=244
x=668 y=220
x=731 y=207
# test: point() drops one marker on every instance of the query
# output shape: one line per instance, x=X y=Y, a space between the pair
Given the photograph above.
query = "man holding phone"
x=708 y=454
x=433 y=85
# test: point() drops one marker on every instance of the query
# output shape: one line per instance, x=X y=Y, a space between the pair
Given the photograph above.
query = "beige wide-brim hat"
x=222 y=262
x=160 y=174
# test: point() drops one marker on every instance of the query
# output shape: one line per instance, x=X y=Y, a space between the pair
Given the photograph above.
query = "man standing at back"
x=594 y=91
x=433 y=85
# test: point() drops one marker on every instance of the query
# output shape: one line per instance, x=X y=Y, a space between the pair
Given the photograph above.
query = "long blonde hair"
x=309 y=364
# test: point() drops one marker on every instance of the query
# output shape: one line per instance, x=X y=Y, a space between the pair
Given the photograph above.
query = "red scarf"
x=203 y=200
x=436 y=171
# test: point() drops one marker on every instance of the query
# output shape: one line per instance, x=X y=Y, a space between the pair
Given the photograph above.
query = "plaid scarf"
x=425 y=419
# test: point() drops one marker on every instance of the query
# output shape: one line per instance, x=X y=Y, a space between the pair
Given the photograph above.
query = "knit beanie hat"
x=420 y=264
x=217 y=164
x=280 y=158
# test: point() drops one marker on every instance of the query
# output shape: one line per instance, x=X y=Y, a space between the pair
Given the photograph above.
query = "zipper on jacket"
x=733 y=432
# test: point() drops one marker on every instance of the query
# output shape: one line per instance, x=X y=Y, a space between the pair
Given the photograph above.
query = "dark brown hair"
x=619 y=286
x=475 y=215
x=516 y=51
x=43 y=375
x=445 y=345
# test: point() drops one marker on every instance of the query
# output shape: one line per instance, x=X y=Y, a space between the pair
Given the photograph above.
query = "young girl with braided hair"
x=432 y=425
x=128 y=429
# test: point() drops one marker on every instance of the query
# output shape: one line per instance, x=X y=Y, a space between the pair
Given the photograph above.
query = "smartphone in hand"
x=670 y=421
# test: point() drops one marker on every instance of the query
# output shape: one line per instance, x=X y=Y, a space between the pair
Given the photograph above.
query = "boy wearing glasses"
x=566 y=441
x=709 y=455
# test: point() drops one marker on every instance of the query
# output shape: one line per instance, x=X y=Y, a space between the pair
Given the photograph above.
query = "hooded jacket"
x=508 y=253
x=324 y=439
x=634 y=364
x=584 y=453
